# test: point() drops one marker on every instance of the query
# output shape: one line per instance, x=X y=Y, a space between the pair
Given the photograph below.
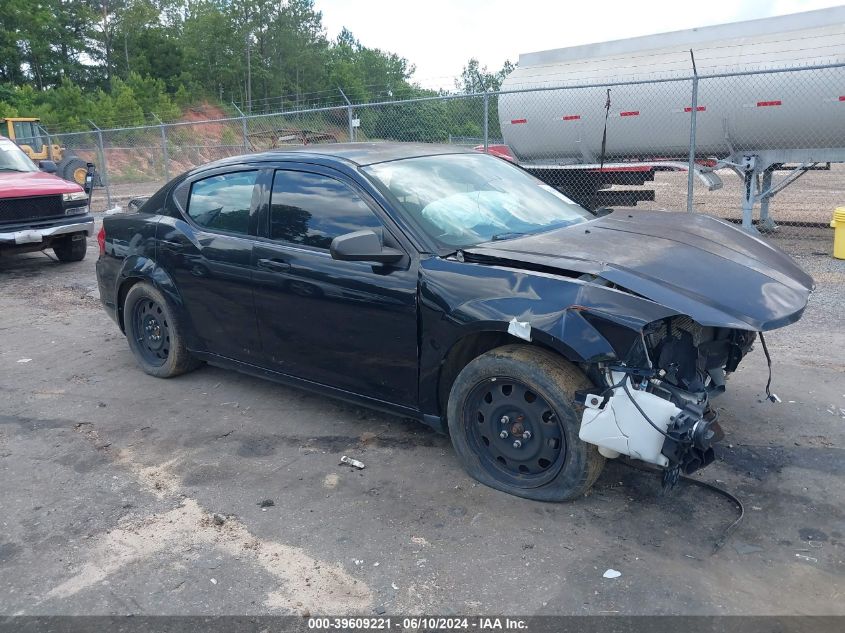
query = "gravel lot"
x=809 y=200
x=127 y=494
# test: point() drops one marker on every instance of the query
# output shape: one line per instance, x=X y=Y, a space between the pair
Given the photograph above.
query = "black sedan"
x=455 y=288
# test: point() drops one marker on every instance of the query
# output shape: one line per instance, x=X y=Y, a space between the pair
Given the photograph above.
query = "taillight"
x=101 y=240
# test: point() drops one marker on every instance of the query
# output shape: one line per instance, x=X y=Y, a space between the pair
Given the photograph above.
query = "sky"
x=440 y=36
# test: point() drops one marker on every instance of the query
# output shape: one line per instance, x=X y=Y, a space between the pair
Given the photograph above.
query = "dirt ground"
x=124 y=494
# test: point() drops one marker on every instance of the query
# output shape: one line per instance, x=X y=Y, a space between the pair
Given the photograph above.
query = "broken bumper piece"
x=627 y=420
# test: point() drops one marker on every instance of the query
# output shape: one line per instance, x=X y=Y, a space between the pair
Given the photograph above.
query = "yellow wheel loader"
x=29 y=136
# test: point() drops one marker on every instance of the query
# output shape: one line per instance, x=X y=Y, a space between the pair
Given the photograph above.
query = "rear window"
x=223 y=202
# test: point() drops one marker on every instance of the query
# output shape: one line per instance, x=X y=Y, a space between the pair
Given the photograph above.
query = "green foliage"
x=151 y=96
x=128 y=62
x=476 y=78
x=182 y=98
x=229 y=137
x=7 y=109
x=426 y=121
x=128 y=111
x=67 y=107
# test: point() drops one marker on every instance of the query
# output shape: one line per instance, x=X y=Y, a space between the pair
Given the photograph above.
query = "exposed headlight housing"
x=74 y=196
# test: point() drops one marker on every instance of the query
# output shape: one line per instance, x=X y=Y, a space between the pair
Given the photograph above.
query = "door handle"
x=276 y=265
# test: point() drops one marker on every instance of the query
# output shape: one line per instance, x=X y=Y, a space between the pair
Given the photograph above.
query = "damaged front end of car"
x=656 y=310
x=655 y=405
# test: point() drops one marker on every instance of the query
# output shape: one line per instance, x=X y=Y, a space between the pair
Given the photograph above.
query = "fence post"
x=49 y=141
x=349 y=115
x=164 y=153
x=104 y=172
x=486 y=121
x=692 y=126
x=243 y=126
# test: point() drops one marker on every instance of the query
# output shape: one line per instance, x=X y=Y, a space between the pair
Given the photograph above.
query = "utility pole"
x=248 y=76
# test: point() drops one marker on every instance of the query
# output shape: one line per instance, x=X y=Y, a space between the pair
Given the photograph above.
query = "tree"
x=127 y=110
x=476 y=78
x=151 y=96
x=120 y=60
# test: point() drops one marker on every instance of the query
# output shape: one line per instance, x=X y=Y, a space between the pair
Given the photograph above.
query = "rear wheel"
x=154 y=333
x=71 y=248
x=515 y=427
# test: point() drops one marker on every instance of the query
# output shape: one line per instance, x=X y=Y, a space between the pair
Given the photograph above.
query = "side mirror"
x=89 y=177
x=363 y=246
x=600 y=213
x=47 y=166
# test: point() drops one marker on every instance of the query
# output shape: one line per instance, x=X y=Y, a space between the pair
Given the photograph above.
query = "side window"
x=312 y=209
x=223 y=202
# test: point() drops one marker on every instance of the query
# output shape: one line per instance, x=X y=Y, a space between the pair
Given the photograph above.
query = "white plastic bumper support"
x=619 y=427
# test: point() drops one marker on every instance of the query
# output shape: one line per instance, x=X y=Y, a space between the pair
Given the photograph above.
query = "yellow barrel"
x=838 y=224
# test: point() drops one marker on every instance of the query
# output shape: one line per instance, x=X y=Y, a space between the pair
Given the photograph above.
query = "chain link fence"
x=762 y=148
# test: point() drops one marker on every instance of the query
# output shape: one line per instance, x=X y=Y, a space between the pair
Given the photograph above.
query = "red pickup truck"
x=39 y=210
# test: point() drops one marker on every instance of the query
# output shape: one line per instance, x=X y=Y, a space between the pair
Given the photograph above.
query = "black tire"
x=73 y=169
x=70 y=248
x=558 y=466
x=154 y=333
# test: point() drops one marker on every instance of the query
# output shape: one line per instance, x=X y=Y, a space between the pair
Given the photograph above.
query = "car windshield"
x=12 y=158
x=465 y=199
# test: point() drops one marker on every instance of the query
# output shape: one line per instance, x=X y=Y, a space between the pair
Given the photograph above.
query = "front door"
x=351 y=325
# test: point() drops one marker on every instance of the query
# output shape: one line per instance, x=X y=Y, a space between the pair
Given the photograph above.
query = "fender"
x=142 y=268
x=584 y=321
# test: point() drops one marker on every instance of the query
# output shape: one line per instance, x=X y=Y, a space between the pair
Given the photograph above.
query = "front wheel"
x=155 y=333
x=71 y=248
x=514 y=424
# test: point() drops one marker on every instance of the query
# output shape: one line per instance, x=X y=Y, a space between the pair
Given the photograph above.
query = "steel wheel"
x=153 y=331
x=515 y=432
x=514 y=390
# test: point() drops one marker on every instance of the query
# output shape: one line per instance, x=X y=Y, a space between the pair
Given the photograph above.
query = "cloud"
x=439 y=36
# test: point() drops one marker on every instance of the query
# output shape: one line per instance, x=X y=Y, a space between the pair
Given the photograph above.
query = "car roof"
x=369 y=153
x=354 y=153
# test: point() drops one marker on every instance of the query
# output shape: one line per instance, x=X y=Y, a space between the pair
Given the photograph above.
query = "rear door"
x=351 y=325
x=208 y=252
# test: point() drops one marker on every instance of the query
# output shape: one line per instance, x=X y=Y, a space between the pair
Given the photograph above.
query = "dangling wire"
x=769 y=395
x=730 y=529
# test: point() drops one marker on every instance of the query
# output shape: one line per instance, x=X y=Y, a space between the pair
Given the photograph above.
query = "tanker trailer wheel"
x=514 y=424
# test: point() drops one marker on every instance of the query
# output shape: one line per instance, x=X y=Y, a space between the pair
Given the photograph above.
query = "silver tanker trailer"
x=752 y=122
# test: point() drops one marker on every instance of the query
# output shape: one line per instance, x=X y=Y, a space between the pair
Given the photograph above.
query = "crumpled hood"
x=696 y=265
